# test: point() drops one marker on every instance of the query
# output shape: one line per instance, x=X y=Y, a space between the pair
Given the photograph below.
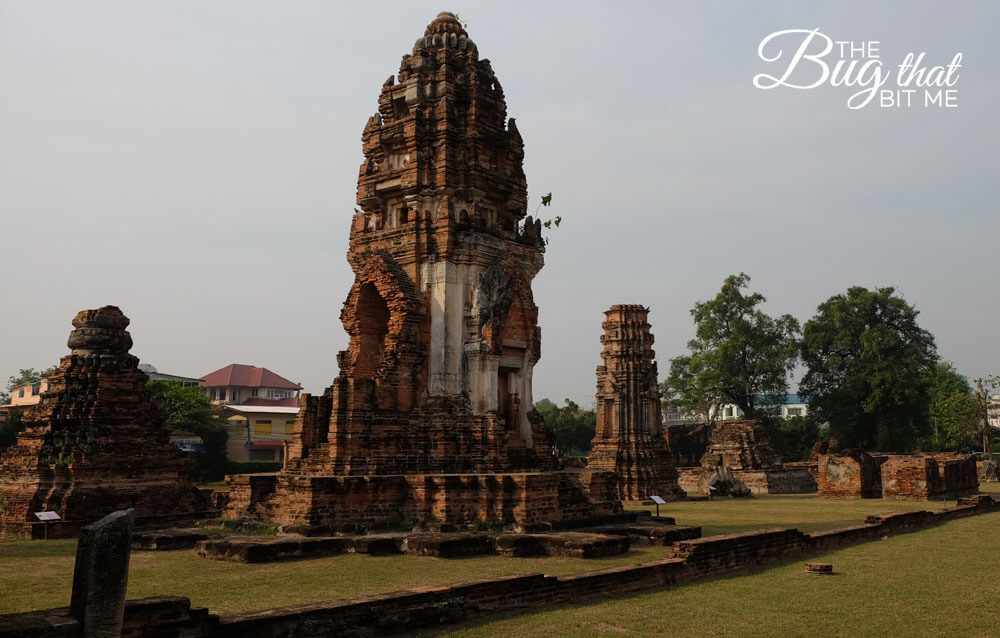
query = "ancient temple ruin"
x=856 y=473
x=431 y=416
x=743 y=449
x=95 y=443
x=629 y=438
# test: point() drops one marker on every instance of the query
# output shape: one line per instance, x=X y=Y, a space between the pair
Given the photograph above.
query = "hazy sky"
x=195 y=163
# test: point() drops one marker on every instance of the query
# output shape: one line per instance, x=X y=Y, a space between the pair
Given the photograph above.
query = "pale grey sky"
x=195 y=164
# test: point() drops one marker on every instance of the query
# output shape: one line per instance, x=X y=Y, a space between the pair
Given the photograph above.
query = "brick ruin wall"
x=744 y=448
x=857 y=474
x=379 y=502
x=405 y=611
x=851 y=474
x=786 y=480
x=934 y=476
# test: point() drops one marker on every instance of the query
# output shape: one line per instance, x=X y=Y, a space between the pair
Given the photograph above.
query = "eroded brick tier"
x=740 y=445
x=744 y=448
x=629 y=439
x=95 y=443
x=442 y=323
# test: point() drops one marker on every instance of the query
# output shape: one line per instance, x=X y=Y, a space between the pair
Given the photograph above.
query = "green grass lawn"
x=806 y=512
x=941 y=581
x=38 y=574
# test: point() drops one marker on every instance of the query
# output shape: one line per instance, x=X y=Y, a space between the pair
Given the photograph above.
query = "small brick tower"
x=629 y=438
x=95 y=443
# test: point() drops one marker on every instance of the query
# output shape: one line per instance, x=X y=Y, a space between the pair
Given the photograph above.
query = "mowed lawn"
x=940 y=581
x=38 y=574
x=807 y=512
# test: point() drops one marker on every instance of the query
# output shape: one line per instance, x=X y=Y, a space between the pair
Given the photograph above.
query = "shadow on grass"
x=475 y=621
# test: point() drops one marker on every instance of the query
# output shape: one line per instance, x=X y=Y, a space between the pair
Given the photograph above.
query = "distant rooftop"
x=245 y=376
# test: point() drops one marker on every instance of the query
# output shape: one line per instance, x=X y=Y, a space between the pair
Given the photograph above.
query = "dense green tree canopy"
x=185 y=408
x=793 y=437
x=10 y=428
x=572 y=427
x=868 y=370
x=739 y=353
x=953 y=410
x=691 y=391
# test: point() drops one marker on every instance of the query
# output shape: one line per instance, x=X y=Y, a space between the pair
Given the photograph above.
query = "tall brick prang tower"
x=444 y=335
x=443 y=327
x=629 y=439
x=95 y=443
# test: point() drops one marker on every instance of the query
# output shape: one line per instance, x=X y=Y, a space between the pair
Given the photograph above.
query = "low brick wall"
x=406 y=611
x=929 y=476
x=852 y=474
x=785 y=480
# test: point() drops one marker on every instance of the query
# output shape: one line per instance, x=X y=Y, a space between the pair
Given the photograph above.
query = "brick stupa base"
x=521 y=499
x=95 y=443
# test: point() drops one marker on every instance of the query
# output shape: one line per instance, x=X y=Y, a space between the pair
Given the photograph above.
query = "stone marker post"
x=100 y=577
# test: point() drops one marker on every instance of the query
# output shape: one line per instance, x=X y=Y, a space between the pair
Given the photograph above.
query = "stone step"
x=167 y=539
x=575 y=544
x=655 y=533
x=257 y=549
x=450 y=545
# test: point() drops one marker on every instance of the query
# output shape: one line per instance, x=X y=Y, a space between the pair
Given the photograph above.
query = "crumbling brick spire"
x=628 y=437
x=443 y=324
x=95 y=443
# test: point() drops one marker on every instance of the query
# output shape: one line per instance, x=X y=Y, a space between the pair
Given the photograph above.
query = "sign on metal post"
x=659 y=501
x=47 y=517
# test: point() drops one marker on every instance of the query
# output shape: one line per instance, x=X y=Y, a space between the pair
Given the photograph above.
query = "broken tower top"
x=100 y=331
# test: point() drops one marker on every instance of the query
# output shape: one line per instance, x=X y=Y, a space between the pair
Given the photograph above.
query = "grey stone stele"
x=100 y=576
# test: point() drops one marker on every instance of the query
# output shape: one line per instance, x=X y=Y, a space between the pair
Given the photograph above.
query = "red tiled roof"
x=289 y=402
x=245 y=376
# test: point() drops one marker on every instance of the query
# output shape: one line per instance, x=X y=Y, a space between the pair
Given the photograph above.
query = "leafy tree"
x=868 y=369
x=793 y=437
x=958 y=427
x=984 y=388
x=738 y=355
x=186 y=409
x=10 y=428
x=953 y=410
x=572 y=427
x=690 y=390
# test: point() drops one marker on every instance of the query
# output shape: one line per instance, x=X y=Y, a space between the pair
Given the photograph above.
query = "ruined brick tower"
x=629 y=439
x=95 y=443
x=443 y=327
x=442 y=323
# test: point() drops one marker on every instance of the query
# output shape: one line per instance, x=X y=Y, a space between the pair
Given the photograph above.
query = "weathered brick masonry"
x=850 y=474
x=629 y=439
x=929 y=476
x=407 y=611
x=443 y=326
x=95 y=443
x=857 y=474
x=745 y=449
